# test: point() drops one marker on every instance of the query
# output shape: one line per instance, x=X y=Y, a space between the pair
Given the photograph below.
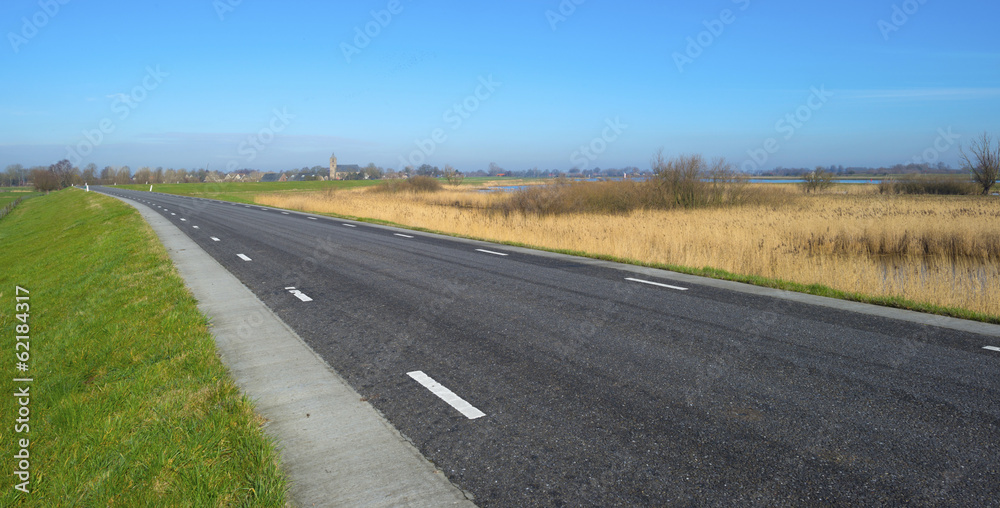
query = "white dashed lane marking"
x=656 y=284
x=404 y=236
x=243 y=257
x=992 y=348
x=214 y=239
x=491 y=252
x=446 y=395
x=298 y=294
x=349 y=225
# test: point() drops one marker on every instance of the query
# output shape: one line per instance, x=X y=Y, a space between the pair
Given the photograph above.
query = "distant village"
x=65 y=173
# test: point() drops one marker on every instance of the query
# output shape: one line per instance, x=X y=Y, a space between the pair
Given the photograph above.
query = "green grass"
x=130 y=406
x=243 y=192
x=8 y=196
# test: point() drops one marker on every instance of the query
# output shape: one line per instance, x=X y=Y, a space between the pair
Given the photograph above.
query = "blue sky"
x=547 y=84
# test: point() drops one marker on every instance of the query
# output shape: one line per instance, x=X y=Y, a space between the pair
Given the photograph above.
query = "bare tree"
x=64 y=172
x=89 y=174
x=143 y=175
x=44 y=179
x=13 y=175
x=453 y=176
x=983 y=161
x=817 y=180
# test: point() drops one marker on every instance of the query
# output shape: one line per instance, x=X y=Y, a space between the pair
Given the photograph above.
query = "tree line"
x=980 y=159
x=64 y=174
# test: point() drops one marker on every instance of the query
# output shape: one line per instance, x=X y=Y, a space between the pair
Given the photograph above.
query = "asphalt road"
x=601 y=391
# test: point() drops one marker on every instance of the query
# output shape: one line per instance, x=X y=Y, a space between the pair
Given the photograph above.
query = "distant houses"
x=274 y=177
x=343 y=171
x=347 y=172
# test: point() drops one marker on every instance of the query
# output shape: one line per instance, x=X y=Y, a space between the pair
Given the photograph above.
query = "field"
x=932 y=253
x=244 y=192
x=10 y=194
x=129 y=404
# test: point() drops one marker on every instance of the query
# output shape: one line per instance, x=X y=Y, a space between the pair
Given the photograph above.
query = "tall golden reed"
x=943 y=250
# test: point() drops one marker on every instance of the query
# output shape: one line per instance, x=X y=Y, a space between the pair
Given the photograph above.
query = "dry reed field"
x=940 y=250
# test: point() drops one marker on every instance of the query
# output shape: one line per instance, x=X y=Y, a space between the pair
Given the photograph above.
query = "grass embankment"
x=130 y=406
x=938 y=254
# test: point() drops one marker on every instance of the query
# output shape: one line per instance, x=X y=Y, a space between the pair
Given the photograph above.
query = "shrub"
x=887 y=186
x=414 y=184
x=941 y=185
x=683 y=182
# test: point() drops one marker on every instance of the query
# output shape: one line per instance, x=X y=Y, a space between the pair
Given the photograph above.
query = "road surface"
x=544 y=380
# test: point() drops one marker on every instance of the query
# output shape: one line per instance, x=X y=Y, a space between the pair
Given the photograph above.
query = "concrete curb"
x=335 y=449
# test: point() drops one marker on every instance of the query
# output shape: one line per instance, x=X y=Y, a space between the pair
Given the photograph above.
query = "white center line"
x=349 y=225
x=243 y=257
x=992 y=348
x=491 y=252
x=312 y=218
x=214 y=239
x=404 y=236
x=446 y=395
x=656 y=284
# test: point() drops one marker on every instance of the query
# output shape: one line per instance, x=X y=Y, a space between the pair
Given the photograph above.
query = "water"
x=506 y=188
x=873 y=181
x=513 y=188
